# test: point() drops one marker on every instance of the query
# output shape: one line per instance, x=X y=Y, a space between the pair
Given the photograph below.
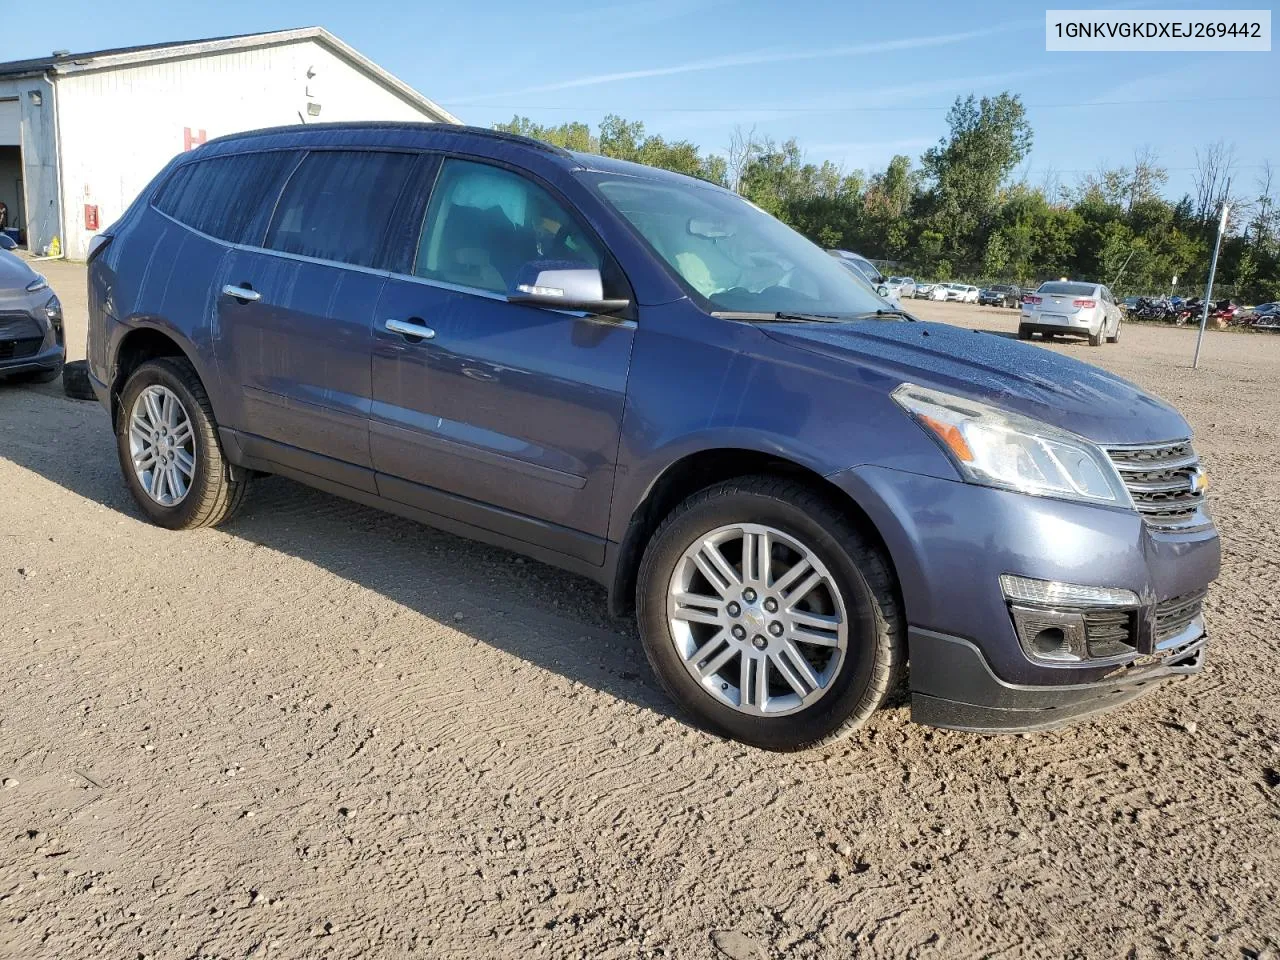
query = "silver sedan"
x=1071 y=307
x=30 y=322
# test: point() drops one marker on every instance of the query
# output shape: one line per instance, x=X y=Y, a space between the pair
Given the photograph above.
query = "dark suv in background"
x=1000 y=295
x=643 y=378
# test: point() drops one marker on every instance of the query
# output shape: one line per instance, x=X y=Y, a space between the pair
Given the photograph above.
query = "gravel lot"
x=326 y=732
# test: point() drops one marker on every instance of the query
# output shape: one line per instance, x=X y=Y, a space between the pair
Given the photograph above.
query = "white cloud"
x=752 y=58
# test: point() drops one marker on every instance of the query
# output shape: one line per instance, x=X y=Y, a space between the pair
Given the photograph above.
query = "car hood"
x=14 y=272
x=997 y=370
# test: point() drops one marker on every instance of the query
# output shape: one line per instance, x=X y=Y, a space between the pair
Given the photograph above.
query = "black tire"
x=1023 y=333
x=1097 y=341
x=1116 y=337
x=75 y=381
x=877 y=634
x=214 y=495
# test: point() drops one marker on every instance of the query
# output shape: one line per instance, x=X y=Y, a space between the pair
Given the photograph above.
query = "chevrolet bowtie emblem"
x=1198 y=481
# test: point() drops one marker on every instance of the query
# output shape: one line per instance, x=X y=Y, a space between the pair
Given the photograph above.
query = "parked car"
x=970 y=293
x=903 y=286
x=923 y=290
x=863 y=265
x=940 y=291
x=645 y=379
x=881 y=290
x=31 y=338
x=1071 y=307
x=1128 y=304
x=7 y=242
x=1000 y=295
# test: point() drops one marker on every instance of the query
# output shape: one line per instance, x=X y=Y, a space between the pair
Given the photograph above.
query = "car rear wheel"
x=769 y=615
x=1115 y=337
x=167 y=442
x=1095 y=340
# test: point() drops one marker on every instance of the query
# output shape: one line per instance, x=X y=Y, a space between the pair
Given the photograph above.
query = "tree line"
x=961 y=214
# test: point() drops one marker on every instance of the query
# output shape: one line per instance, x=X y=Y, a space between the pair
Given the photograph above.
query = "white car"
x=970 y=293
x=903 y=286
x=923 y=290
x=940 y=291
x=1071 y=307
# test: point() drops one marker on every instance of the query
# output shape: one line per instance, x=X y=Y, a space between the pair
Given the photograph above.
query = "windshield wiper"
x=761 y=316
x=880 y=314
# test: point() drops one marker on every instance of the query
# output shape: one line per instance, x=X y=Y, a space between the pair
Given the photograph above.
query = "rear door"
x=295 y=316
x=506 y=416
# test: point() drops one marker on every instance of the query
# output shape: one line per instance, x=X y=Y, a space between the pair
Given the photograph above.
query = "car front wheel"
x=769 y=615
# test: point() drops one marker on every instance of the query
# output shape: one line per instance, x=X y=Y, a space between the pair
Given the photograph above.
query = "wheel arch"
x=701 y=469
x=138 y=345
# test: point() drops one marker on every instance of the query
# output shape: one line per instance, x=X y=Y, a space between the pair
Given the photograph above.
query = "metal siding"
x=121 y=126
x=37 y=134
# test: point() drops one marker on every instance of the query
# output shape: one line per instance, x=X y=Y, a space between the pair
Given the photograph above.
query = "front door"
x=513 y=412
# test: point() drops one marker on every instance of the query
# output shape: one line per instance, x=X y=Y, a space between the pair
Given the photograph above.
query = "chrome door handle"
x=247 y=294
x=405 y=328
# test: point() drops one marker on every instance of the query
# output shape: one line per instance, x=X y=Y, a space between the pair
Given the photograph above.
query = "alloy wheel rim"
x=757 y=619
x=162 y=445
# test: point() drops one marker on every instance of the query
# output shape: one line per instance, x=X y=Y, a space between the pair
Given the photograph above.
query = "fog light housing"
x=1056 y=636
x=1065 y=623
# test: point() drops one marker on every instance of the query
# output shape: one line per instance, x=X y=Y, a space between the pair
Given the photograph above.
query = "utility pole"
x=1121 y=273
x=1208 y=289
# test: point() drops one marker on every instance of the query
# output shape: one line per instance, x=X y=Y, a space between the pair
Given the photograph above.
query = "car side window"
x=484 y=223
x=340 y=205
x=227 y=197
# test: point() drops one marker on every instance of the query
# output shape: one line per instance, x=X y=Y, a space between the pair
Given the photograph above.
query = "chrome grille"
x=1161 y=479
x=1176 y=614
x=1109 y=633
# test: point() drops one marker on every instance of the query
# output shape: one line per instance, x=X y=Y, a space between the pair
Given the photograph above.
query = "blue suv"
x=644 y=379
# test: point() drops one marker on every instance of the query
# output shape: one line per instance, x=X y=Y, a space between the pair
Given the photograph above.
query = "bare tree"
x=744 y=147
x=1265 y=218
x=1215 y=165
x=1148 y=177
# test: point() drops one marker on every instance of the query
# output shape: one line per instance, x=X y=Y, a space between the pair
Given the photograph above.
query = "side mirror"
x=563 y=285
x=883 y=291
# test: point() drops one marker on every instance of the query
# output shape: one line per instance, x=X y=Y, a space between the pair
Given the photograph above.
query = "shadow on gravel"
x=555 y=620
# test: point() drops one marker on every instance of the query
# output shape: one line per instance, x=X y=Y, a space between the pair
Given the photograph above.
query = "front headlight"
x=53 y=310
x=997 y=448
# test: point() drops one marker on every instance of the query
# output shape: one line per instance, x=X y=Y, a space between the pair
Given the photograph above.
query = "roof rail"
x=445 y=128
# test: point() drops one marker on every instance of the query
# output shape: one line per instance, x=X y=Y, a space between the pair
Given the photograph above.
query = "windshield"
x=1071 y=289
x=734 y=254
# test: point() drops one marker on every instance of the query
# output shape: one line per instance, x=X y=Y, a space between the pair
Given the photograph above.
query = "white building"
x=82 y=134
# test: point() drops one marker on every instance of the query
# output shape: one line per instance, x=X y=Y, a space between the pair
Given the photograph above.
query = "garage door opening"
x=11 y=194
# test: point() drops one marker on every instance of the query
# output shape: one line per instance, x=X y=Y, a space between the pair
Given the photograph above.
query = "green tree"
x=987 y=139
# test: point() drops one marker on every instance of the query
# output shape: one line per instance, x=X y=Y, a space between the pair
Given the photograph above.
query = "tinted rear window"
x=227 y=197
x=1071 y=289
x=339 y=205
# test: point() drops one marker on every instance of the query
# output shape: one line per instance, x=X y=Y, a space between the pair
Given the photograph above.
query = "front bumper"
x=950 y=542
x=953 y=686
x=16 y=358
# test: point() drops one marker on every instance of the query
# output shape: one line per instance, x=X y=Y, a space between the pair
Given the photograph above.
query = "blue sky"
x=853 y=83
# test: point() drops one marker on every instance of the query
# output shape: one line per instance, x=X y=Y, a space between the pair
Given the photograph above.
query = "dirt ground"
x=327 y=732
